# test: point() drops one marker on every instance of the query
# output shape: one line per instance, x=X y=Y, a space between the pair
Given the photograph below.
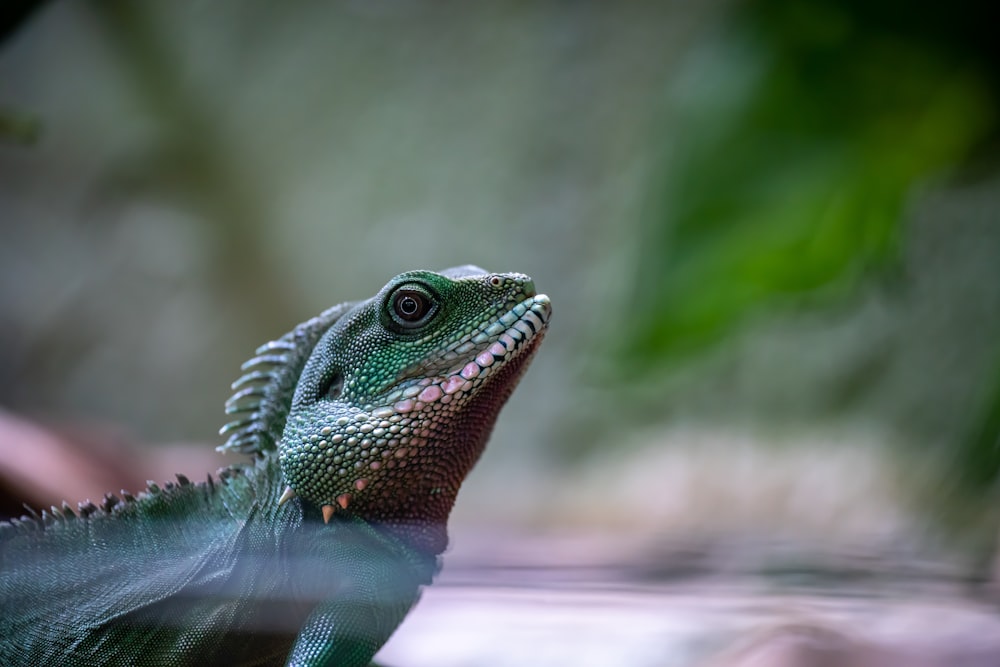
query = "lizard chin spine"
x=286 y=496
x=328 y=511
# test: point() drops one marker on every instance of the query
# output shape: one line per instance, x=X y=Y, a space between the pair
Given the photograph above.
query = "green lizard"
x=362 y=423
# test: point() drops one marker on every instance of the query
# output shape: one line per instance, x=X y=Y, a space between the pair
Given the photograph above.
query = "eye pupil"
x=408 y=305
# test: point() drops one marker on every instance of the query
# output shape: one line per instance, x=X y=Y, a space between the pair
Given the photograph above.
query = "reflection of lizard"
x=363 y=422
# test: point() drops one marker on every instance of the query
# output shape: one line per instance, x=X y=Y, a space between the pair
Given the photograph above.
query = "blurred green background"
x=769 y=230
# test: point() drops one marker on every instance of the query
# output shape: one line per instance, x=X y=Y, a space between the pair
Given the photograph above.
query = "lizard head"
x=397 y=399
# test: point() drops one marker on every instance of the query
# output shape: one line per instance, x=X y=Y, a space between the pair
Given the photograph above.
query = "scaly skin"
x=362 y=422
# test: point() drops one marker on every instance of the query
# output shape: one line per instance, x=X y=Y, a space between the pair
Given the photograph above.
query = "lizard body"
x=362 y=424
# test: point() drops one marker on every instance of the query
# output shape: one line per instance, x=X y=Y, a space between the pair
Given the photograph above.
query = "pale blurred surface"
x=596 y=617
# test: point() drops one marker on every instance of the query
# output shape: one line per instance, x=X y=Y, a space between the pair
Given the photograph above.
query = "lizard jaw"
x=517 y=331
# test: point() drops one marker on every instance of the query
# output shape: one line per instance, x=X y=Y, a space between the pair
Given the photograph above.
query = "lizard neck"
x=415 y=507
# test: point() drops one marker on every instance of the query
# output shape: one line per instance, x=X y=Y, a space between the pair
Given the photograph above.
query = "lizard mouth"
x=473 y=361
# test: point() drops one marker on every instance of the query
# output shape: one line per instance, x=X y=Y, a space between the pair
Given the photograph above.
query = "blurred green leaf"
x=805 y=129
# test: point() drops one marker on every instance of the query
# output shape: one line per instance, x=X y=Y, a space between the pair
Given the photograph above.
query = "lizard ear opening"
x=332 y=387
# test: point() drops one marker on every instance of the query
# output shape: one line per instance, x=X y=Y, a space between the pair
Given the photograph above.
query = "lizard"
x=360 y=424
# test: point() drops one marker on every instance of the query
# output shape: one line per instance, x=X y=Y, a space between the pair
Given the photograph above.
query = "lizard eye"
x=411 y=307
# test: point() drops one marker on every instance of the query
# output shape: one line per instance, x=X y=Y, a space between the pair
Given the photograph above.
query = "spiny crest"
x=264 y=393
x=109 y=505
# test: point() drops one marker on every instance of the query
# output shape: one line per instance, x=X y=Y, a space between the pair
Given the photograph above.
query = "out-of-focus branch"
x=13 y=14
x=193 y=166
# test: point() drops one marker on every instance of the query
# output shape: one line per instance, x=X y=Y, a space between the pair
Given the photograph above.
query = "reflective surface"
x=845 y=611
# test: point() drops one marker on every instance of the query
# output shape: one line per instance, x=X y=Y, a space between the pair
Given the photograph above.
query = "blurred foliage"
x=797 y=138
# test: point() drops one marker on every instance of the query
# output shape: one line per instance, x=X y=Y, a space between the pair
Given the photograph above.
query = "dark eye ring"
x=411 y=306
